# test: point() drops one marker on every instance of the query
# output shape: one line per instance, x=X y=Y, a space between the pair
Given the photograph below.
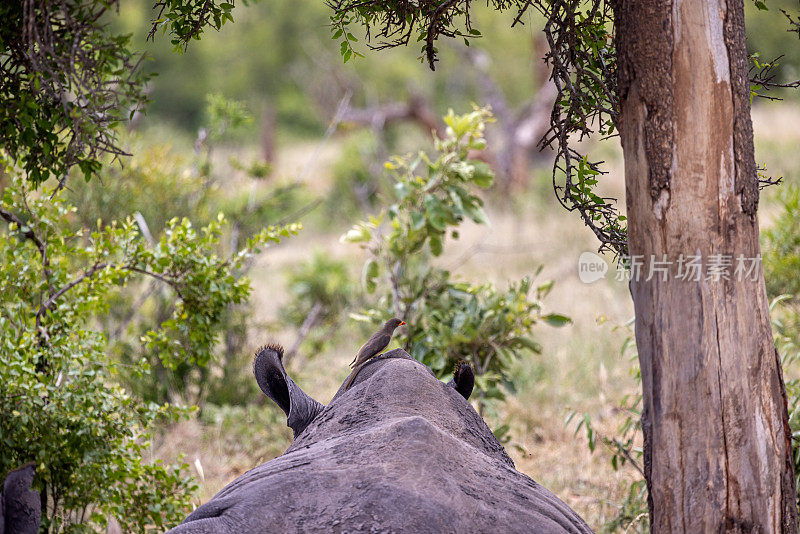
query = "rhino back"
x=399 y=452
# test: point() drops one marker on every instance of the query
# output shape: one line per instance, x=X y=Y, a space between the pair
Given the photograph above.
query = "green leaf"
x=477 y=214
x=528 y=343
x=483 y=175
x=370 y=273
x=358 y=234
x=435 y=243
x=555 y=319
x=417 y=220
x=435 y=213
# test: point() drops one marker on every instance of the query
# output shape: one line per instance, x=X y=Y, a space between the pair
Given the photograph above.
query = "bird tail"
x=353 y=375
x=349 y=381
x=353 y=363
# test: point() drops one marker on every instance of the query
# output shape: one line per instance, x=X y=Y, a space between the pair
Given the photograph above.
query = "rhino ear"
x=463 y=379
x=300 y=409
x=22 y=508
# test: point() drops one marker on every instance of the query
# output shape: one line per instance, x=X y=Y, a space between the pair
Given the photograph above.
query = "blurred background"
x=264 y=122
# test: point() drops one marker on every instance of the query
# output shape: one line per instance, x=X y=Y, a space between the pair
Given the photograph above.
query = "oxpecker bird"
x=374 y=345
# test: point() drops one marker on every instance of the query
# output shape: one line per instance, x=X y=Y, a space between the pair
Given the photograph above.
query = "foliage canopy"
x=583 y=61
x=68 y=79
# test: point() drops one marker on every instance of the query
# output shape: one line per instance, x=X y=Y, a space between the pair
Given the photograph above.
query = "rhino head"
x=398 y=451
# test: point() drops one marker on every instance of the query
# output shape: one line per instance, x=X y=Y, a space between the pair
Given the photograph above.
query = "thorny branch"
x=762 y=77
x=194 y=17
x=583 y=63
x=63 y=67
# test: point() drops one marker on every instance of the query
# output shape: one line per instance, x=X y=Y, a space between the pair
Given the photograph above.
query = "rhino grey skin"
x=20 y=506
x=399 y=451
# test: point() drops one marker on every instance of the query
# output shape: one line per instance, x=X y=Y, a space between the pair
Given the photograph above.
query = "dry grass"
x=580 y=369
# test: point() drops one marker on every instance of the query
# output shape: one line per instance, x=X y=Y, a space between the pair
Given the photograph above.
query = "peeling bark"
x=746 y=178
x=717 y=447
x=646 y=62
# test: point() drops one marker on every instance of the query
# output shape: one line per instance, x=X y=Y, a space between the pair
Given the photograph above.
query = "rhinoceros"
x=397 y=451
x=20 y=506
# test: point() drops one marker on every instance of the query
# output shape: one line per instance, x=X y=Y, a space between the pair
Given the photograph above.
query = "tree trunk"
x=717 y=441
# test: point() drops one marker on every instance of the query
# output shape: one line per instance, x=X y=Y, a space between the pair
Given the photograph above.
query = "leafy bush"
x=60 y=403
x=782 y=247
x=446 y=320
x=66 y=80
x=483 y=324
x=355 y=188
x=205 y=285
x=321 y=290
x=153 y=185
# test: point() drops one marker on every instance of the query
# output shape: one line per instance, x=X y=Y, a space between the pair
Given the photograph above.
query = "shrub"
x=61 y=405
x=447 y=320
x=164 y=191
x=321 y=290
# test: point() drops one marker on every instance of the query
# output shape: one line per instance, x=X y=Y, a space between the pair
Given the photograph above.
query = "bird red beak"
x=402 y=323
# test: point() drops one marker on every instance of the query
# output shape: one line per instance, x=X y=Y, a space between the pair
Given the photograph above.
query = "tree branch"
x=26 y=231
x=621 y=448
x=416 y=109
x=309 y=322
x=88 y=273
x=172 y=283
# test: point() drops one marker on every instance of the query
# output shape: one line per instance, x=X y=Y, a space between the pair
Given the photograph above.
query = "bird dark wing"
x=373 y=347
x=364 y=346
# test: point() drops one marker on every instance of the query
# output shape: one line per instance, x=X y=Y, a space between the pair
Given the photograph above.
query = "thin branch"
x=309 y=323
x=25 y=230
x=88 y=273
x=170 y=282
x=620 y=447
